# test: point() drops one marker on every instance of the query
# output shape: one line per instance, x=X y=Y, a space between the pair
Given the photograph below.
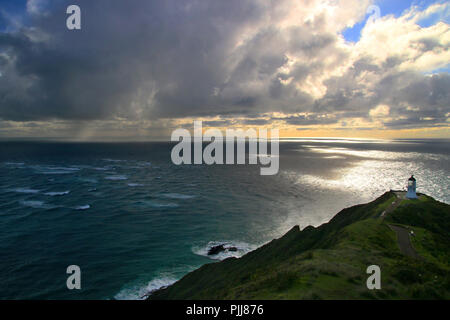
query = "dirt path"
x=394 y=204
x=404 y=242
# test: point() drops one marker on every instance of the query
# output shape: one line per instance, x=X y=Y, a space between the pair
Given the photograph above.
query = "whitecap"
x=102 y=168
x=141 y=292
x=57 y=172
x=82 y=166
x=13 y=163
x=119 y=177
x=113 y=160
x=242 y=248
x=34 y=204
x=65 y=168
x=135 y=184
x=25 y=190
x=55 y=169
x=90 y=180
x=57 y=193
x=161 y=205
x=178 y=196
x=85 y=207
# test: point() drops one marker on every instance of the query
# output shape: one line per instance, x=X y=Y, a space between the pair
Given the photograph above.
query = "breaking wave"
x=141 y=292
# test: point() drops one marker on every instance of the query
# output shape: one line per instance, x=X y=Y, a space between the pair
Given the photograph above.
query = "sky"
x=137 y=70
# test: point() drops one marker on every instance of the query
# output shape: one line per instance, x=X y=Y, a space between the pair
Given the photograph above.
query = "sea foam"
x=57 y=193
x=35 y=204
x=135 y=184
x=178 y=196
x=142 y=292
x=84 y=207
x=242 y=248
x=118 y=177
x=160 y=205
x=25 y=190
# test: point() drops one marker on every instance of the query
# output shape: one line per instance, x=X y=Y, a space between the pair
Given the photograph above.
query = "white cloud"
x=379 y=111
x=36 y=7
x=419 y=49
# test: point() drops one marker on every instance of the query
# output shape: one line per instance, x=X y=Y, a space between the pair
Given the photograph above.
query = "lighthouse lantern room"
x=411 y=194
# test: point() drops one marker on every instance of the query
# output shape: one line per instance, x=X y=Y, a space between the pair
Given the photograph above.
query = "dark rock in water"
x=216 y=250
x=220 y=248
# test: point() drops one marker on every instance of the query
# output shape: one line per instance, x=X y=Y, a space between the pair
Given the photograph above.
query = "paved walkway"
x=404 y=241
x=403 y=236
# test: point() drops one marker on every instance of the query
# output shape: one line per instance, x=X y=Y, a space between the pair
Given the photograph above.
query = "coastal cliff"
x=408 y=239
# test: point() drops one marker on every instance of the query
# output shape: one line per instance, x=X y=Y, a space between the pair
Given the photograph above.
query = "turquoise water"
x=133 y=221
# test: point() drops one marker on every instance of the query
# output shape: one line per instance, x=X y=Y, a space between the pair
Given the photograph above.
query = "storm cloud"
x=249 y=59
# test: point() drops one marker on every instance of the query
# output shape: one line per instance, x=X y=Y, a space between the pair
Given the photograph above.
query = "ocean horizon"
x=133 y=221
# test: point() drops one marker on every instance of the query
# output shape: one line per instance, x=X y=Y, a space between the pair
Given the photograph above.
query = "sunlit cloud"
x=152 y=67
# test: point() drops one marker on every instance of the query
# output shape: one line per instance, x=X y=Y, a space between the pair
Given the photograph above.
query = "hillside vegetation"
x=330 y=262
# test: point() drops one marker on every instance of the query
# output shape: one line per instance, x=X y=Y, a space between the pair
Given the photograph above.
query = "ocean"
x=133 y=221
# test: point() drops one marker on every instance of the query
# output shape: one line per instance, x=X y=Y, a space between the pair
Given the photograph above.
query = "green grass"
x=329 y=262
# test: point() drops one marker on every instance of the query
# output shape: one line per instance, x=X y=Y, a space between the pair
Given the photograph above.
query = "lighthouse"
x=411 y=194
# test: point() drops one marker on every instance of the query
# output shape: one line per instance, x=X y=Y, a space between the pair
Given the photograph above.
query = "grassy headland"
x=330 y=261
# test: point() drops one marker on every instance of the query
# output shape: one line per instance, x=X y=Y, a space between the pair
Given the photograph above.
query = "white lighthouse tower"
x=411 y=194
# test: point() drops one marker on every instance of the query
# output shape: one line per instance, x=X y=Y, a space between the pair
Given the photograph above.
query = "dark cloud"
x=307 y=120
x=163 y=57
x=420 y=101
x=151 y=59
x=171 y=59
x=217 y=123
